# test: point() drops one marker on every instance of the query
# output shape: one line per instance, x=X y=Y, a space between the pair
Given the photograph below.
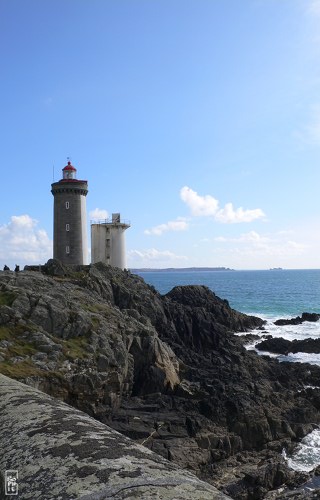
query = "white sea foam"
x=303 y=331
x=307 y=455
x=302 y=357
x=307 y=329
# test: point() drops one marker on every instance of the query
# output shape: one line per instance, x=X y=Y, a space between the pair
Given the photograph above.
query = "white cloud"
x=220 y=239
x=22 y=243
x=154 y=257
x=179 y=224
x=98 y=214
x=199 y=205
x=229 y=215
x=209 y=206
x=254 y=244
x=253 y=237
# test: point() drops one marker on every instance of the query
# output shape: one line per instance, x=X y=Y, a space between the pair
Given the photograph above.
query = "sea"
x=270 y=295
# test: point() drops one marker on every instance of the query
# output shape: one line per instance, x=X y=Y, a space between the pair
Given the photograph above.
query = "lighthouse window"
x=67 y=249
x=67 y=227
x=67 y=205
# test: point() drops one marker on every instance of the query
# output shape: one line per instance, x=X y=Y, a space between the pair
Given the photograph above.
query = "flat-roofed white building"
x=108 y=242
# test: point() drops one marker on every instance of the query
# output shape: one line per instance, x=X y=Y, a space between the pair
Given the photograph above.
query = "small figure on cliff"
x=6 y=268
x=17 y=269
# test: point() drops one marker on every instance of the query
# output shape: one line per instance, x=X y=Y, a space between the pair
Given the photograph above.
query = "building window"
x=67 y=205
x=67 y=249
x=67 y=227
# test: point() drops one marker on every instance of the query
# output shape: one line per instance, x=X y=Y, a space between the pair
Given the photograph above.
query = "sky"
x=197 y=120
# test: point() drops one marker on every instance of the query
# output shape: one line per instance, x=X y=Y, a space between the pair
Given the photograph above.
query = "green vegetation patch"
x=104 y=310
x=7 y=298
x=21 y=349
x=95 y=322
x=76 y=348
x=78 y=275
x=6 y=333
x=95 y=308
x=18 y=346
x=19 y=370
x=11 y=333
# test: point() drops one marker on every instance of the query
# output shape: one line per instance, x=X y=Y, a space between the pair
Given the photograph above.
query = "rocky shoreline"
x=166 y=371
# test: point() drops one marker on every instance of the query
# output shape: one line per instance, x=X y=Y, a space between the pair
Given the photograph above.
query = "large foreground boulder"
x=61 y=453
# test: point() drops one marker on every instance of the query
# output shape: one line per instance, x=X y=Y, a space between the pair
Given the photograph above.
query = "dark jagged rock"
x=167 y=371
x=203 y=320
x=302 y=486
x=283 y=346
x=248 y=338
x=256 y=483
x=275 y=345
x=313 y=317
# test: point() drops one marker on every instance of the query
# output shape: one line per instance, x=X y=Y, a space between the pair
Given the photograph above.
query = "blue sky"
x=197 y=120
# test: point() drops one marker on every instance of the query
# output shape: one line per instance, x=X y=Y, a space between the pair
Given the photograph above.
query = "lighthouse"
x=70 y=244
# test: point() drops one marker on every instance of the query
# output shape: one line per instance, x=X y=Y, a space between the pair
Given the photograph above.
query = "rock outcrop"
x=167 y=371
x=312 y=317
x=61 y=453
x=279 y=345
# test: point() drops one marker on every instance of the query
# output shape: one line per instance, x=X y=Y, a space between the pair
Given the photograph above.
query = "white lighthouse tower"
x=108 y=242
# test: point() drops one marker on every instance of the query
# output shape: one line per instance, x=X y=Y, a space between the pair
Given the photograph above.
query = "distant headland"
x=180 y=269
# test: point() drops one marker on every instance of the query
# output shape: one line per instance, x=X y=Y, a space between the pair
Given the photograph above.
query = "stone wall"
x=62 y=453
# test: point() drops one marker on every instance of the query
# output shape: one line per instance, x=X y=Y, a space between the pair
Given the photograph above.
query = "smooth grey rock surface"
x=63 y=454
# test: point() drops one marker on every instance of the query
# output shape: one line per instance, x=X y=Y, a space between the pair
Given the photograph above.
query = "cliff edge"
x=167 y=371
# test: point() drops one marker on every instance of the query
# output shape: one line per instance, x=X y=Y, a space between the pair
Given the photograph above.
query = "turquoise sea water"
x=274 y=293
x=270 y=295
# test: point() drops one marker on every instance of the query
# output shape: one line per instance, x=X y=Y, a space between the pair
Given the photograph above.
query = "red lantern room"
x=69 y=172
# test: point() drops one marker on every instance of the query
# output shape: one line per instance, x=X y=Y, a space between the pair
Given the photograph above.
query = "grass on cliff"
x=72 y=348
x=20 y=370
x=76 y=277
x=17 y=346
x=7 y=298
x=97 y=310
x=104 y=309
x=76 y=348
x=24 y=369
